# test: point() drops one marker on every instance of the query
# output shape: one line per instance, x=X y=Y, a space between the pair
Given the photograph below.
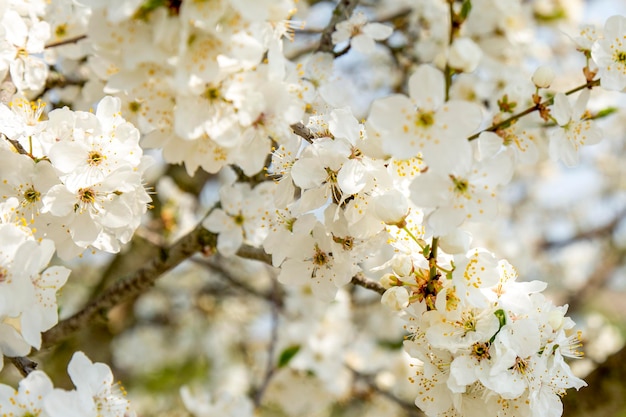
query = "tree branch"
x=408 y=407
x=270 y=369
x=360 y=280
x=24 y=365
x=304 y=132
x=66 y=41
x=197 y=240
x=506 y=122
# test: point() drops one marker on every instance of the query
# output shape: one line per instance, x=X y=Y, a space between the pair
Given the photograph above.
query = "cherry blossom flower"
x=95 y=393
x=575 y=131
x=27 y=400
x=315 y=261
x=361 y=34
x=424 y=124
x=240 y=217
x=23 y=39
x=609 y=53
x=467 y=192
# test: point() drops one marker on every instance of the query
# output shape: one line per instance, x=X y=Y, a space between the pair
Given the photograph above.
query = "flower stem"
x=504 y=123
x=412 y=236
x=432 y=259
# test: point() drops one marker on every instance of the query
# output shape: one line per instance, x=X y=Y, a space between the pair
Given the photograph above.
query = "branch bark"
x=135 y=284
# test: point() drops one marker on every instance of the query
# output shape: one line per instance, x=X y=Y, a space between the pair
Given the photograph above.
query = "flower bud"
x=543 y=76
x=464 y=55
x=395 y=298
x=402 y=265
x=556 y=319
x=392 y=208
x=388 y=281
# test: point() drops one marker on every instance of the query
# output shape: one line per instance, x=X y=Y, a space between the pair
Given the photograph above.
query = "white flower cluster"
x=209 y=83
x=75 y=182
x=480 y=336
x=78 y=177
x=609 y=53
x=28 y=288
x=95 y=395
x=195 y=80
x=23 y=34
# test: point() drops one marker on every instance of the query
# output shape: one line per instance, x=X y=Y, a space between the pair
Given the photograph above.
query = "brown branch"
x=197 y=240
x=17 y=145
x=367 y=283
x=410 y=408
x=66 y=41
x=250 y=252
x=255 y=254
x=506 y=122
x=24 y=365
x=304 y=132
x=597 y=233
x=342 y=12
x=216 y=266
x=271 y=368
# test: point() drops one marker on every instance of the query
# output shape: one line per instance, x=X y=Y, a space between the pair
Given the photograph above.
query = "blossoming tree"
x=292 y=208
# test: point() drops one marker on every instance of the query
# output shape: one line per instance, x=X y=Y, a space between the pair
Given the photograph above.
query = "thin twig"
x=255 y=254
x=250 y=252
x=304 y=132
x=226 y=275
x=367 y=283
x=17 y=145
x=24 y=365
x=548 y=102
x=66 y=41
x=406 y=406
x=270 y=369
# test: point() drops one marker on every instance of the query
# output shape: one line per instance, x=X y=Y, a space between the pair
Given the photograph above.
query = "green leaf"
x=605 y=112
x=287 y=355
x=501 y=315
x=465 y=9
x=426 y=251
x=391 y=344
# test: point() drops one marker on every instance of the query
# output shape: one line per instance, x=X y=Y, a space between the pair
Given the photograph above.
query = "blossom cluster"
x=95 y=393
x=77 y=177
x=480 y=335
x=28 y=287
x=332 y=196
x=206 y=82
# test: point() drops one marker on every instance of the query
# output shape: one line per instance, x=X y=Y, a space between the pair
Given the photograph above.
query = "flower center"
x=520 y=365
x=87 y=195
x=424 y=119
x=320 y=258
x=31 y=196
x=95 y=158
x=461 y=186
x=480 y=351
x=620 y=56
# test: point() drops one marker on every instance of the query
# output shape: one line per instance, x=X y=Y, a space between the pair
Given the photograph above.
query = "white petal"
x=377 y=31
x=427 y=87
x=562 y=110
